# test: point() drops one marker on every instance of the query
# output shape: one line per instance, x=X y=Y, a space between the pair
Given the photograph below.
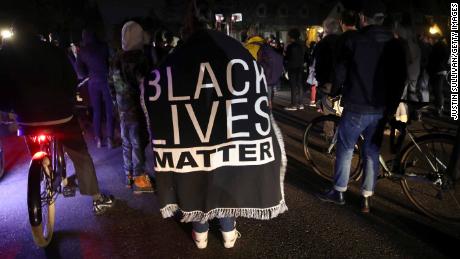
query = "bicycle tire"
x=317 y=140
x=2 y=161
x=433 y=193
x=41 y=215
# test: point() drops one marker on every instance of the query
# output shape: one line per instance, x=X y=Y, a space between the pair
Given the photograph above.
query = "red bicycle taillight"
x=40 y=138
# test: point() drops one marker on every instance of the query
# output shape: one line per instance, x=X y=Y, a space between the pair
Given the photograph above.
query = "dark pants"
x=71 y=138
x=134 y=138
x=99 y=93
x=438 y=83
x=295 y=80
x=226 y=225
x=271 y=91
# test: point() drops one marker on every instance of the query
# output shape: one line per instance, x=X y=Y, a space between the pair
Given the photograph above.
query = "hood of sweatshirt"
x=132 y=36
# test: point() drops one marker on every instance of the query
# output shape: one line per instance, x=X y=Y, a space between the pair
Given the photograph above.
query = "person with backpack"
x=272 y=63
x=254 y=42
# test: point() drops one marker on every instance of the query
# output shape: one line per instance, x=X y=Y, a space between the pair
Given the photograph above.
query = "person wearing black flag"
x=217 y=151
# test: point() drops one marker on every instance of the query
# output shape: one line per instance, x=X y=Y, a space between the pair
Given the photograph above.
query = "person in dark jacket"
x=295 y=53
x=325 y=55
x=38 y=84
x=423 y=82
x=372 y=72
x=272 y=63
x=348 y=22
x=129 y=70
x=93 y=62
x=437 y=68
x=405 y=32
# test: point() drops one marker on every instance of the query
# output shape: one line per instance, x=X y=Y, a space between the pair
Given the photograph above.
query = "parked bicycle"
x=420 y=167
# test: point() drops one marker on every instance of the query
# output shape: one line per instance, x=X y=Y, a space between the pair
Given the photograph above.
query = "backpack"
x=272 y=63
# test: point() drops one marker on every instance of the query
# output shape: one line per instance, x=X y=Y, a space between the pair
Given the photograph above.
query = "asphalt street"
x=310 y=229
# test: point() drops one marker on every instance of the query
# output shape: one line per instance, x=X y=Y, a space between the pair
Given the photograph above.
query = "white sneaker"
x=230 y=238
x=290 y=108
x=201 y=239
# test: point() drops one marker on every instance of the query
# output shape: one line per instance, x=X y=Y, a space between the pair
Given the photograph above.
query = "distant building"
x=277 y=17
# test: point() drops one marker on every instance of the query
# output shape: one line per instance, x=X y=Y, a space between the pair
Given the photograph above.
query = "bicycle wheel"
x=40 y=201
x=426 y=182
x=319 y=147
x=2 y=161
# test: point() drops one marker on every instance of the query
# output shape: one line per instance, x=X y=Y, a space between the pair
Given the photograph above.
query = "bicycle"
x=420 y=167
x=46 y=180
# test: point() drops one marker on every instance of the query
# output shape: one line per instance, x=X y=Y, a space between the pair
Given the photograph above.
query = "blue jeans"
x=134 y=142
x=226 y=225
x=351 y=126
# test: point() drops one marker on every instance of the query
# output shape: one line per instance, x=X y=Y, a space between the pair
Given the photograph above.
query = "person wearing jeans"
x=352 y=125
x=227 y=227
x=371 y=88
x=129 y=68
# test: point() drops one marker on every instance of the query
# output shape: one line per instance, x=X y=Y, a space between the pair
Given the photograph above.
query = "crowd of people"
x=230 y=160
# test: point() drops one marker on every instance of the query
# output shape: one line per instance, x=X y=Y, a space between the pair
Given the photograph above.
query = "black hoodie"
x=37 y=81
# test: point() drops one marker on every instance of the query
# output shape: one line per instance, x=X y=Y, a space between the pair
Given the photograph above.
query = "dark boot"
x=365 y=204
x=332 y=196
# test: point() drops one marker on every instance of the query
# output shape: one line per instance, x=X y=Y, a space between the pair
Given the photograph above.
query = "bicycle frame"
x=384 y=165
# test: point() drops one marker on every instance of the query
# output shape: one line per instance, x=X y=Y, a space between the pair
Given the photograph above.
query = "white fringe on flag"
x=254 y=213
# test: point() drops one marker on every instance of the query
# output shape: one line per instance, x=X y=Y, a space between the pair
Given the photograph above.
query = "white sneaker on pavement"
x=230 y=238
x=201 y=239
x=290 y=108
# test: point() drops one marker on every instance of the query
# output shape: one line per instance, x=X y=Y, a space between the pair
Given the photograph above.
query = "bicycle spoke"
x=425 y=180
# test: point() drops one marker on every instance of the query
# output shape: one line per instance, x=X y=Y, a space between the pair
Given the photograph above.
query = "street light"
x=237 y=17
x=219 y=17
x=6 y=34
x=434 y=29
x=219 y=20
